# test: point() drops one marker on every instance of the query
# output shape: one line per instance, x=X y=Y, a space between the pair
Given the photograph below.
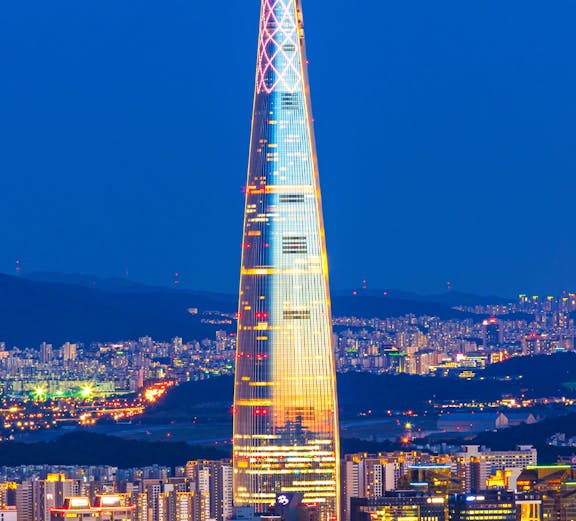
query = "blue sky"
x=446 y=135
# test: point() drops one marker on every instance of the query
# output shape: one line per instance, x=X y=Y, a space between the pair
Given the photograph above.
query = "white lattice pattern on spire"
x=278 y=66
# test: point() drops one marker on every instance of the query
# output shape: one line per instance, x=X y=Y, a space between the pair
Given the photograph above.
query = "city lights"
x=146 y=384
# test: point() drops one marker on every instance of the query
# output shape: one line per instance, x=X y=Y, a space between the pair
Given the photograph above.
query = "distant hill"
x=112 y=284
x=454 y=298
x=118 y=285
x=382 y=307
x=32 y=312
x=543 y=374
x=536 y=435
x=83 y=448
x=82 y=308
x=357 y=392
x=450 y=298
x=211 y=400
x=539 y=378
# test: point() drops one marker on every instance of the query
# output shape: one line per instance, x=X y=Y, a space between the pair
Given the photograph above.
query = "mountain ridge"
x=73 y=308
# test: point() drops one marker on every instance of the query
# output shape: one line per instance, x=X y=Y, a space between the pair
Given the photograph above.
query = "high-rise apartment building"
x=367 y=476
x=50 y=493
x=143 y=512
x=477 y=464
x=212 y=482
x=45 y=353
x=25 y=502
x=285 y=410
x=180 y=506
x=69 y=352
x=491 y=332
x=532 y=344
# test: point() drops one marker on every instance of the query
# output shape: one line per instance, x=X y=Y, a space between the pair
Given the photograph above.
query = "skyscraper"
x=285 y=410
x=45 y=353
x=492 y=333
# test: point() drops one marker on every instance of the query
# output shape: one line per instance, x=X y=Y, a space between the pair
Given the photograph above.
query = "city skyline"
x=459 y=136
x=434 y=381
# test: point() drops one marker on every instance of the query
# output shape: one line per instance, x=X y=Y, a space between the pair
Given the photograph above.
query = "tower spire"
x=280 y=41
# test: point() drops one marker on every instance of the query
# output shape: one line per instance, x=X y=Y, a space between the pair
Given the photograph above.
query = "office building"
x=433 y=479
x=528 y=507
x=401 y=505
x=556 y=485
x=107 y=508
x=491 y=505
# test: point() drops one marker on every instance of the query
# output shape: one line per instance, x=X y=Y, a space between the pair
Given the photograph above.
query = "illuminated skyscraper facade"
x=285 y=410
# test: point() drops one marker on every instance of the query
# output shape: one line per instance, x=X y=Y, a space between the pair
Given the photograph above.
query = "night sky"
x=446 y=134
